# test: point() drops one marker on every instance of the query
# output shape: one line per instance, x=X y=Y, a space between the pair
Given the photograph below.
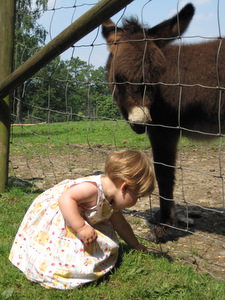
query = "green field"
x=86 y=133
x=117 y=134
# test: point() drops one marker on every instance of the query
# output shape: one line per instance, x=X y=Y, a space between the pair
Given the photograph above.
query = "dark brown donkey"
x=166 y=89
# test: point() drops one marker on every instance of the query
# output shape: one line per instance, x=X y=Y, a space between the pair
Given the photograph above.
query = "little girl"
x=67 y=237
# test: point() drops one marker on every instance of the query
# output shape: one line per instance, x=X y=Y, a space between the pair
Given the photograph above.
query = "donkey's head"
x=136 y=63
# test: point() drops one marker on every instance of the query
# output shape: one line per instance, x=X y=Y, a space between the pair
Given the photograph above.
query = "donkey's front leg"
x=164 y=145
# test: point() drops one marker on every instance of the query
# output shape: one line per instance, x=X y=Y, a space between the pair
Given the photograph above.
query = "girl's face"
x=123 y=198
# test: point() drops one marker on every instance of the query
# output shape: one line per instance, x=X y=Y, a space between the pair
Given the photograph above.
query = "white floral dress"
x=47 y=250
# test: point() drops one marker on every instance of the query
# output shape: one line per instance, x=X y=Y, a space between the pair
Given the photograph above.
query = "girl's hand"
x=87 y=234
x=125 y=231
x=141 y=247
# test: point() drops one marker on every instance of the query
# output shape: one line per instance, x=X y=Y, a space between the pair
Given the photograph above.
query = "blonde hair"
x=132 y=167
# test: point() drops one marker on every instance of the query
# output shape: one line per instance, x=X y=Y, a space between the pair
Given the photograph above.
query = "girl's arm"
x=85 y=193
x=123 y=228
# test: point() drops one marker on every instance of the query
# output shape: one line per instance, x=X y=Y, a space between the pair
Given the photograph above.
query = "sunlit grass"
x=136 y=276
x=90 y=134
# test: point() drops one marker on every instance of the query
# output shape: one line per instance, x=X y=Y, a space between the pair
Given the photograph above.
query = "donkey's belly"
x=202 y=131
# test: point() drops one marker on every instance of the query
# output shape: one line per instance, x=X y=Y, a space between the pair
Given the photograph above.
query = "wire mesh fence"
x=65 y=121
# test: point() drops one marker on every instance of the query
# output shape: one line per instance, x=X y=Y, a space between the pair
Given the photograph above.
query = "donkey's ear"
x=112 y=34
x=108 y=27
x=173 y=27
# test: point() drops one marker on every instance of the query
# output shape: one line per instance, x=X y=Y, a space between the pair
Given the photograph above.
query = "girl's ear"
x=124 y=187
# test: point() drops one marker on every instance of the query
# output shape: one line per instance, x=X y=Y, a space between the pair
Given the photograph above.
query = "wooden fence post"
x=7 y=23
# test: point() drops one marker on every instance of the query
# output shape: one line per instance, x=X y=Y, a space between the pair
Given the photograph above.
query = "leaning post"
x=7 y=24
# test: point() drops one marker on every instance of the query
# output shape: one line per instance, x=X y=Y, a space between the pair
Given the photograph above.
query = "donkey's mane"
x=132 y=25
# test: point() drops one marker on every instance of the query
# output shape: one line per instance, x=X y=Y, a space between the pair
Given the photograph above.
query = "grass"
x=90 y=134
x=136 y=276
x=115 y=134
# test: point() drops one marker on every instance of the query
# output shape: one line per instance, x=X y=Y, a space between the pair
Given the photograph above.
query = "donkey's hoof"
x=157 y=234
x=151 y=237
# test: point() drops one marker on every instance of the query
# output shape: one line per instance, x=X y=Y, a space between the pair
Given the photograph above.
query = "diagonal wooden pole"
x=102 y=11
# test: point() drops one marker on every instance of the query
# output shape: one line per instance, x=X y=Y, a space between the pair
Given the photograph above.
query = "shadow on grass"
x=206 y=220
x=27 y=185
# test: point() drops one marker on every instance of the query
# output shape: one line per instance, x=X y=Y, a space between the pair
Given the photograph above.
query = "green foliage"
x=67 y=87
x=29 y=37
x=136 y=276
x=62 y=87
x=28 y=34
x=107 y=108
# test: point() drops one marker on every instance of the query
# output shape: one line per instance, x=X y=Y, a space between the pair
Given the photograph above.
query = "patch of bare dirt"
x=198 y=236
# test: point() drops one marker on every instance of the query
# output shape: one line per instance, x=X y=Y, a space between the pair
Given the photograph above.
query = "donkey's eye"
x=120 y=79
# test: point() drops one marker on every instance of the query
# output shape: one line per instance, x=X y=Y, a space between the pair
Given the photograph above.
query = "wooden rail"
x=102 y=11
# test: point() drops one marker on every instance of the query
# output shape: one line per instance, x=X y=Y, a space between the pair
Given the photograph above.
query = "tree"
x=62 y=86
x=101 y=98
x=29 y=36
